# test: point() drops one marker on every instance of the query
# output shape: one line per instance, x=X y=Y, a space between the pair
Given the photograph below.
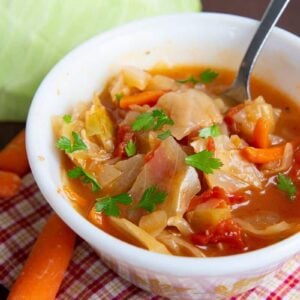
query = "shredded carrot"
x=13 y=157
x=74 y=197
x=44 y=269
x=261 y=133
x=9 y=184
x=147 y=97
x=261 y=156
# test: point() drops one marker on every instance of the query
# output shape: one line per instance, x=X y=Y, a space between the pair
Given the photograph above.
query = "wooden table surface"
x=251 y=8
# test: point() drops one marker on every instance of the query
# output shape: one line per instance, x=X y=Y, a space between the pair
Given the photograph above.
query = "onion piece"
x=281 y=165
x=135 y=77
x=160 y=82
x=154 y=223
x=137 y=235
x=268 y=231
x=181 y=224
x=179 y=246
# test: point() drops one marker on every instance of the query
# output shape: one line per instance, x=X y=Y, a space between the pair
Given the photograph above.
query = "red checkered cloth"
x=21 y=219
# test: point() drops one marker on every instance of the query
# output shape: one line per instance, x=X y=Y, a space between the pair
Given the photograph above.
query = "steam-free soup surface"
x=158 y=160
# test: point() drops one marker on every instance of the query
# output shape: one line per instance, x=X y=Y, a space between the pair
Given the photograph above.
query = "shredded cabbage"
x=266 y=232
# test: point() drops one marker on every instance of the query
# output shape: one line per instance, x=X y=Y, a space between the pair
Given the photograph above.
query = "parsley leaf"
x=151 y=120
x=65 y=144
x=85 y=177
x=67 y=118
x=119 y=96
x=151 y=197
x=143 y=121
x=161 y=119
x=213 y=130
x=164 y=135
x=78 y=142
x=204 y=161
x=286 y=184
x=130 y=148
x=208 y=75
x=109 y=204
x=190 y=79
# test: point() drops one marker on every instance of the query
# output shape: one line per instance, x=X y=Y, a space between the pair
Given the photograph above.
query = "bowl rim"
x=138 y=257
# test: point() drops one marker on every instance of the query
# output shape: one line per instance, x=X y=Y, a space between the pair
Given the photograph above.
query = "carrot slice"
x=9 y=184
x=44 y=269
x=261 y=156
x=261 y=133
x=13 y=157
x=147 y=97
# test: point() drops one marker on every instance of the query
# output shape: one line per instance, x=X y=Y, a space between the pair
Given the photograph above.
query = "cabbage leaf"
x=34 y=35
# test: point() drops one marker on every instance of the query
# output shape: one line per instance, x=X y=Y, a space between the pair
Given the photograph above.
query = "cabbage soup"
x=158 y=160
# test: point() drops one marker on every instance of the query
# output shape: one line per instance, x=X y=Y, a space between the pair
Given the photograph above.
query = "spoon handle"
x=269 y=19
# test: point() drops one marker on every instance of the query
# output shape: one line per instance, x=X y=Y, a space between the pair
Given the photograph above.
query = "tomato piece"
x=295 y=170
x=236 y=197
x=297 y=156
x=216 y=193
x=229 y=118
x=227 y=231
x=210 y=144
x=124 y=135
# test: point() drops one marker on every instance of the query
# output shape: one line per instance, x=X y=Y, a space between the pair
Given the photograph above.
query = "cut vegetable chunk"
x=168 y=171
x=137 y=235
x=190 y=110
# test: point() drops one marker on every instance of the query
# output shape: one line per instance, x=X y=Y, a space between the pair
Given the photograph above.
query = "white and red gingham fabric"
x=21 y=219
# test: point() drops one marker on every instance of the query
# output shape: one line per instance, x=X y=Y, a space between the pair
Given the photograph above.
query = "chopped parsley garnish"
x=204 y=161
x=151 y=120
x=143 y=121
x=85 y=177
x=190 y=79
x=119 y=96
x=130 y=148
x=207 y=76
x=164 y=135
x=65 y=144
x=109 y=204
x=161 y=119
x=67 y=118
x=213 y=131
x=152 y=197
x=286 y=184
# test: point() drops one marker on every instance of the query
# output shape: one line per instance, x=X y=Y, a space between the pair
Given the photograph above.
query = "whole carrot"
x=9 y=184
x=44 y=269
x=13 y=157
x=147 y=97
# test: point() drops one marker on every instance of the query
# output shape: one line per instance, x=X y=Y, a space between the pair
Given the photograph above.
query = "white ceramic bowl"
x=202 y=39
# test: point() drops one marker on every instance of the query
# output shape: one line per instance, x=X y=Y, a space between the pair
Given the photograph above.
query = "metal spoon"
x=239 y=90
